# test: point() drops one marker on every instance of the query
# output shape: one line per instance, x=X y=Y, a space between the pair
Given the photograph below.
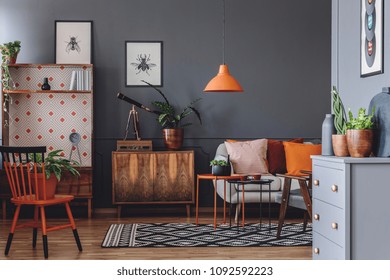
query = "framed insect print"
x=371 y=41
x=73 y=42
x=143 y=62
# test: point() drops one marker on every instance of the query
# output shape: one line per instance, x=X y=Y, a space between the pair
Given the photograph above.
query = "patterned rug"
x=190 y=235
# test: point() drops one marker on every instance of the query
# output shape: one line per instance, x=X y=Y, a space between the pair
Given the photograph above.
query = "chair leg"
x=35 y=227
x=44 y=233
x=305 y=219
x=76 y=235
x=238 y=211
x=12 y=230
x=283 y=205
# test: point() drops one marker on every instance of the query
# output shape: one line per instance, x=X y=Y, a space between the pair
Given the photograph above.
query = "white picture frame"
x=73 y=42
x=371 y=41
x=143 y=62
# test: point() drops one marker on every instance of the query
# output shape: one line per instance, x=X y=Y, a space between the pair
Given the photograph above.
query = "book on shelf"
x=81 y=80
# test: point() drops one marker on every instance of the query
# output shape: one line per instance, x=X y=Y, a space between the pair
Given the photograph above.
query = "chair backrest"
x=22 y=169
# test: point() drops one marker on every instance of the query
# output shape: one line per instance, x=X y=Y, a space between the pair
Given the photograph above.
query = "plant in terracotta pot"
x=339 y=140
x=220 y=167
x=9 y=53
x=171 y=121
x=55 y=164
x=360 y=133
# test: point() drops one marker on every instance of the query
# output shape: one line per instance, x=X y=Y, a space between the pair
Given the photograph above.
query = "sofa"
x=252 y=190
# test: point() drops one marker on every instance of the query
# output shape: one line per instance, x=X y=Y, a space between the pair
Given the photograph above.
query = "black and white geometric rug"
x=190 y=235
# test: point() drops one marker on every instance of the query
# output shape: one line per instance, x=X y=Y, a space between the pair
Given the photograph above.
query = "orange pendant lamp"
x=223 y=82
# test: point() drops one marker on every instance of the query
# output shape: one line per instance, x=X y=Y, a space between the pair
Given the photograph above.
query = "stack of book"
x=81 y=80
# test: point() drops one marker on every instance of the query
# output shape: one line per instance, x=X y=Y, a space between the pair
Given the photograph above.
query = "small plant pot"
x=339 y=144
x=360 y=142
x=218 y=170
x=51 y=186
x=173 y=138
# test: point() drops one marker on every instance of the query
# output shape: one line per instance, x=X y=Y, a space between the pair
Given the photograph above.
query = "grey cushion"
x=295 y=200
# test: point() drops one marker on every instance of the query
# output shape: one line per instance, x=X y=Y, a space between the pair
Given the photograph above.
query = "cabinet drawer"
x=329 y=221
x=329 y=185
x=324 y=249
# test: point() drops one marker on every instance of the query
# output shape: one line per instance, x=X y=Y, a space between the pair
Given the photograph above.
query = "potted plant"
x=9 y=53
x=360 y=134
x=339 y=140
x=171 y=121
x=220 y=167
x=55 y=164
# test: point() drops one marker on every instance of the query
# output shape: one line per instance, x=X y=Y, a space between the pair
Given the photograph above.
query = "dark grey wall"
x=279 y=51
x=355 y=91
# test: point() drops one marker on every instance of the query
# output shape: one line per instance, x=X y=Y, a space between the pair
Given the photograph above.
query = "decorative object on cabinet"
x=45 y=85
x=144 y=62
x=9 y=54
x=360 y=133
x=223 y=82
x=17 y=165
x=134 y=145
x=339 y=140
x=165 y=177
x=47 y=117
x=347 y=194
x=381 y=103
x=371 y=42
x=328 y=130
x=73 y=42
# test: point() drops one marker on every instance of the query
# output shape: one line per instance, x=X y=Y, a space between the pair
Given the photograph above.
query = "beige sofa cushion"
x=248 y=157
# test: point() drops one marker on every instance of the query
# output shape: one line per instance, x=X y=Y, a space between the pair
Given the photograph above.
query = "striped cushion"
x=248 y=157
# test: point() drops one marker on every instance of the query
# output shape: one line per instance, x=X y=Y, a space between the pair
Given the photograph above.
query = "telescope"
x=139 y=105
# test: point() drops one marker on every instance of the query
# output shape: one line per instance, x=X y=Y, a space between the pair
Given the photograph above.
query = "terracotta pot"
x=360 y=142
x=339 y=144
x=11 y=59
x=173 y=138
x=51 y=186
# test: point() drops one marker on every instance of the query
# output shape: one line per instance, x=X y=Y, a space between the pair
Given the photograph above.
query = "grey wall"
x=355 y=91
x=279 y=51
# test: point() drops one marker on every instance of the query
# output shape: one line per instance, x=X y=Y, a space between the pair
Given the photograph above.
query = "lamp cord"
x=223 y=34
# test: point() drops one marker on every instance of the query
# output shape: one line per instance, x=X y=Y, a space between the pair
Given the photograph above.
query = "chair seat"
x=295 y=199
x=56 y=200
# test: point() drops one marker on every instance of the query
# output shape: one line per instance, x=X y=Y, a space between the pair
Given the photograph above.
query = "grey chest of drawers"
x=350 y=208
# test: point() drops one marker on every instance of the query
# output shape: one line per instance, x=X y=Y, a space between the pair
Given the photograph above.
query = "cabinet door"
x=174 y=181
x=132 y=175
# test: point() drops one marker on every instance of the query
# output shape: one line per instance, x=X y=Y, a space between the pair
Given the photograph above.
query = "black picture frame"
x=73 y=41
x=371 y=37
x=143 y=61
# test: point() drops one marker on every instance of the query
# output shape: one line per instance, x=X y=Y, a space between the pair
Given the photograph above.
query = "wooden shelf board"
x=47 y=91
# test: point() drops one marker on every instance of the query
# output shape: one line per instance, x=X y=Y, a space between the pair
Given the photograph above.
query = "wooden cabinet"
x=165 y=177
x=36 y=117
x=350 y=197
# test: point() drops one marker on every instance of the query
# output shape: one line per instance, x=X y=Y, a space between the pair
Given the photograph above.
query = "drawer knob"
x=316 y=182
x=334 y=188
x=316 y=251
x=316 y=217
x=335 y=225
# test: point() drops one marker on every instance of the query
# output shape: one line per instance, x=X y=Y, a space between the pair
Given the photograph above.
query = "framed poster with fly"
x=143 y=62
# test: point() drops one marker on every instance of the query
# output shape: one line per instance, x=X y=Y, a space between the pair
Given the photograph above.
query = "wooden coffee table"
x=215 y=179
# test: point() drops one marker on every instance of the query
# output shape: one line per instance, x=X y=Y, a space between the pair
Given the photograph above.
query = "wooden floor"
x=92 y=231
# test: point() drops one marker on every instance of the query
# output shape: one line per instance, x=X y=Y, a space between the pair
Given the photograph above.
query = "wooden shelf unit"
x=36 y=117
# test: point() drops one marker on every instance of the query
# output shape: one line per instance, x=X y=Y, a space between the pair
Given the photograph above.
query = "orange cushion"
x=276 y=156
x=298 y=157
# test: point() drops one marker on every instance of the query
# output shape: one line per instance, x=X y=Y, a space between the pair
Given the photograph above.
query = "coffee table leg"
x=243 y=206
x=215 y=203
x=197 y=200
x=224 y=201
